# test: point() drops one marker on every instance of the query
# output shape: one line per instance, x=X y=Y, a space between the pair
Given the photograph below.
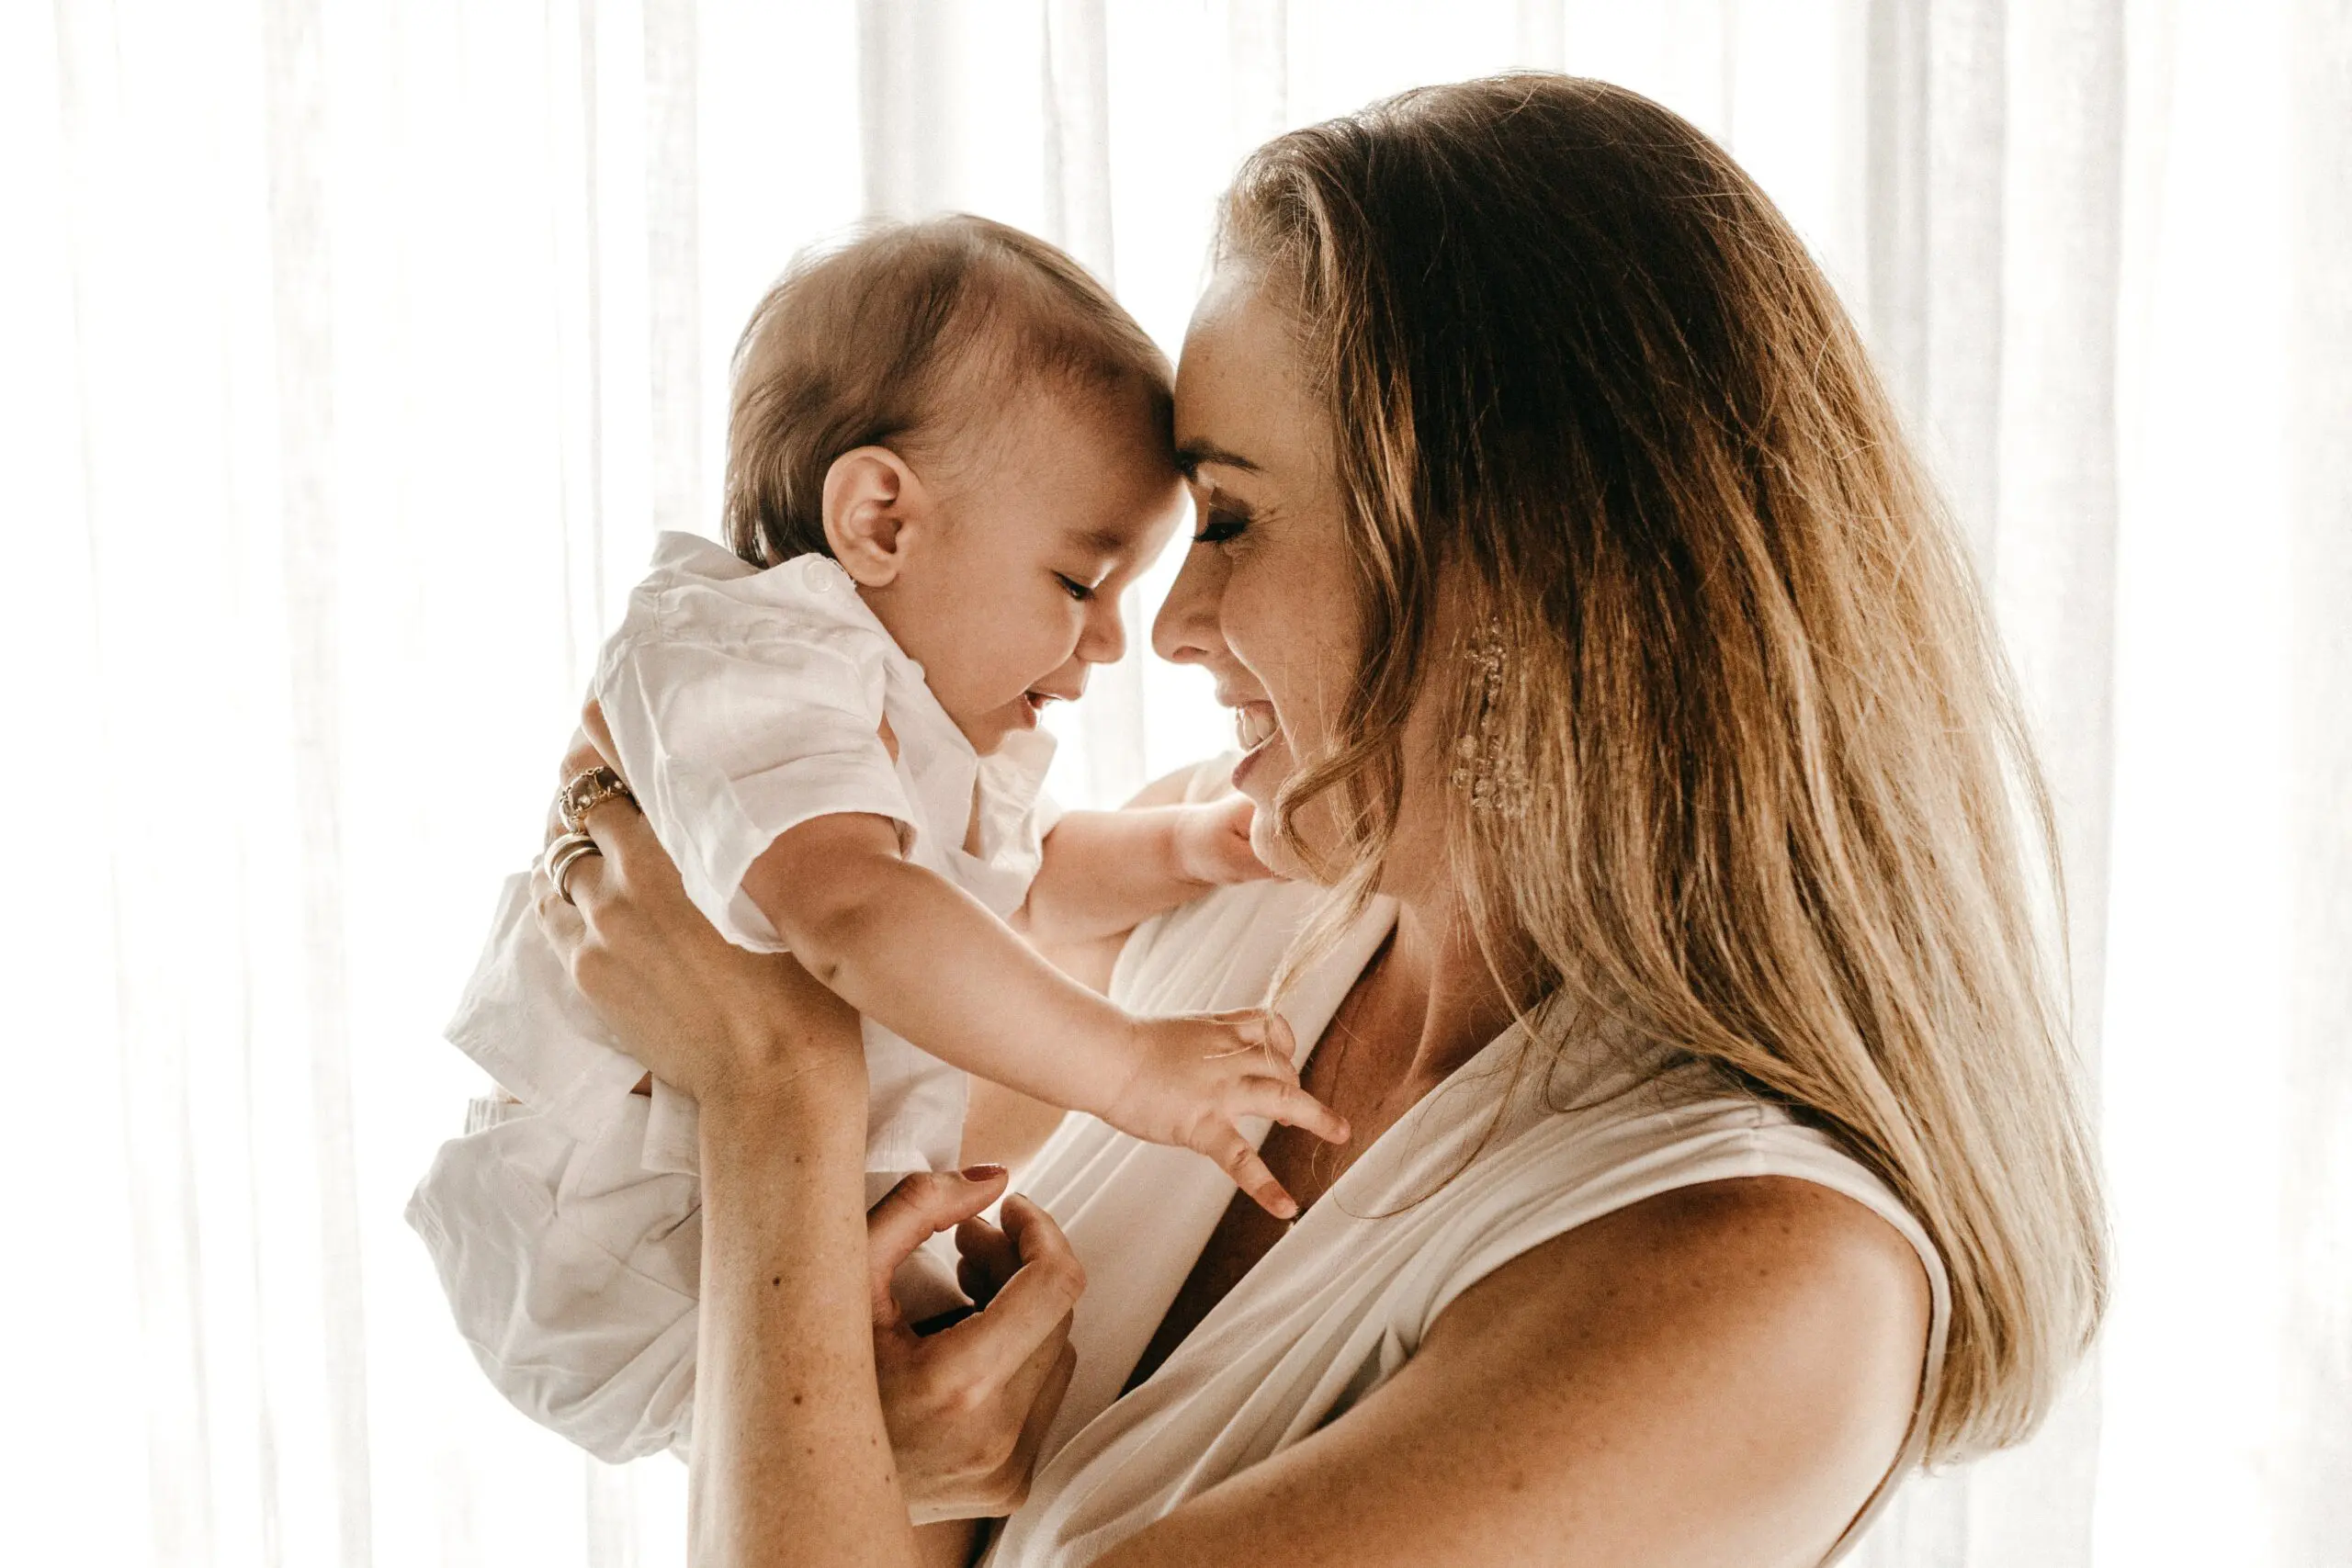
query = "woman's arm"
x=800 y=1340
x=1719 y=1376
x=793 y=1460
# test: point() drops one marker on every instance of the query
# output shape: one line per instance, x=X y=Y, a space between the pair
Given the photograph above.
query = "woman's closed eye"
x=1219 y=524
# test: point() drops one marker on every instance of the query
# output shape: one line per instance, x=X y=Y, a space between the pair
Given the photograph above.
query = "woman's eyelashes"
x=1219 y=524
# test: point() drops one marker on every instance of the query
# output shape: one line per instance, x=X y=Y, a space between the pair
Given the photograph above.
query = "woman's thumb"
x=919 y=1207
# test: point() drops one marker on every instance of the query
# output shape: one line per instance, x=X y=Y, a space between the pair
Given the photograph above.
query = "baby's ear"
x=870 y=498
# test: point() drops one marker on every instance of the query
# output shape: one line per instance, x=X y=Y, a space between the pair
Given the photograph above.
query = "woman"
x=1604 y=658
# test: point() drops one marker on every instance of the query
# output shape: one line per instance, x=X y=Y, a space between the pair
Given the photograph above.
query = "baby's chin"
x=989 y=730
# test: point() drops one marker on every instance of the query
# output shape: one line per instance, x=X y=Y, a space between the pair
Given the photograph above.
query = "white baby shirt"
x=742 y=703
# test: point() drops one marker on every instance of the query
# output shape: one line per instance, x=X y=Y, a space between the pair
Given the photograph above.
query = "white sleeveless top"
x=1344 y=1299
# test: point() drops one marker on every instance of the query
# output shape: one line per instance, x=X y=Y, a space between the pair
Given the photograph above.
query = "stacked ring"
x=565 y=853
x=583 y=791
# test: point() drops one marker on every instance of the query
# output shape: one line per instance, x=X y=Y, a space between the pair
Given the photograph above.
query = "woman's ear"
x=871 y=497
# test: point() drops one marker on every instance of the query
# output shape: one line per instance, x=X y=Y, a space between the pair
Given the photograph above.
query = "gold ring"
x=565 y=853
x=586 y=791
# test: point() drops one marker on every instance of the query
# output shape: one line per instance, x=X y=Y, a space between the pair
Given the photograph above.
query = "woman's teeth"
x=1253 y=724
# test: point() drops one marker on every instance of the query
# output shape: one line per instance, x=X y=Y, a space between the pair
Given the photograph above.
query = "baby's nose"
x=1104 y=641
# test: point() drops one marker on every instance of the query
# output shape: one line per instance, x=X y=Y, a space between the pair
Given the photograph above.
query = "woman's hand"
x=967 y=1407
x=704 y=1015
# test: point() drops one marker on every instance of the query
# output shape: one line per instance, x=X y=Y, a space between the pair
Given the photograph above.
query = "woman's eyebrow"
x=1193 y=455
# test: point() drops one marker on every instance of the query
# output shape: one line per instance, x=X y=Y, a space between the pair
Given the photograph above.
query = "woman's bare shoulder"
x=1789 y=1255
x=1724 y=1372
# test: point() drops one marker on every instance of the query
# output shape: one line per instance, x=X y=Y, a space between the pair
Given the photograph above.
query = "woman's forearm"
x=792 y=1460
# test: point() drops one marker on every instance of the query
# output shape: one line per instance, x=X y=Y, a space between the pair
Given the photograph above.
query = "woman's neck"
x=1432 y=965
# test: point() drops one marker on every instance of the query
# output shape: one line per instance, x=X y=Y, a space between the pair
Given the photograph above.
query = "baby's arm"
x=925 y=960
x=1107 y=872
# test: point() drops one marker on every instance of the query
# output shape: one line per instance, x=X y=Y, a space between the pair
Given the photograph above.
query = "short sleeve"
x=738 y=721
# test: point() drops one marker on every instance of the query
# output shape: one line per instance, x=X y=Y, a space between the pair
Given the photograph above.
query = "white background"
x=351 y=351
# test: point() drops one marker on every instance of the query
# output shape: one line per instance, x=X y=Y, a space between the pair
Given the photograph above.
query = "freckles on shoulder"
x=1823 y=1307
x=1766 y=1303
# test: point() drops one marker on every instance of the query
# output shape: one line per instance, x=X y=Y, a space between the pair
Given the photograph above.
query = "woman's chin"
x=1266 y=839
x=1274 y=855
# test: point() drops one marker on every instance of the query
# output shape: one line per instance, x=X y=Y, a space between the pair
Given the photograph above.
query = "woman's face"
x=1265 y=600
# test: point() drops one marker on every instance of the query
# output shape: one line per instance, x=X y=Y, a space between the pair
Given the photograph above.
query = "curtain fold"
x=350 y=354
x=674 y=264
x=2315 y=1464
x=1077 y=174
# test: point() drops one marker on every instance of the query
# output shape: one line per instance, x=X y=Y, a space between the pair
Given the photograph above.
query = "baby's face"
x=1059 y=507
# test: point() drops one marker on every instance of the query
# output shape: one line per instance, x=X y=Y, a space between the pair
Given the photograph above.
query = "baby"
x=949 y=451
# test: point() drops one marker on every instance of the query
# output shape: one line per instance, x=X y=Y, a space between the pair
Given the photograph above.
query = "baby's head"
x=974 y=430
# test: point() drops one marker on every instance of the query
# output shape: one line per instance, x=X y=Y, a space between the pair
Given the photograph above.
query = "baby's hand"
x=1213 y=842
x=1195 y=1077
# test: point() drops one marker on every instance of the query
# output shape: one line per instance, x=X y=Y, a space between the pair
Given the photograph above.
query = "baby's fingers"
x=1265 y=1038
x=1289 y=1104
x=1250 y=1173
x=1281 y=1044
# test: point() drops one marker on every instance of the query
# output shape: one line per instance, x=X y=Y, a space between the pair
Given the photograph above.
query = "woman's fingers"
x=593 y=727
x=985 y=1259
x=1031 y=1308
x=1038 y=1238
x=562 y=923
x=620 y=828
x=579 y=756
x=627 y=856
x=1289 y=1104
x=911 y=1213
x=968 y=1406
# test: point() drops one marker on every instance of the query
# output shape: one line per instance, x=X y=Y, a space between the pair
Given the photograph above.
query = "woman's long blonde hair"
x=1739 y=760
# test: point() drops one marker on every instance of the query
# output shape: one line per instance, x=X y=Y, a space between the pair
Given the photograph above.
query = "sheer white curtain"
x=350 y=351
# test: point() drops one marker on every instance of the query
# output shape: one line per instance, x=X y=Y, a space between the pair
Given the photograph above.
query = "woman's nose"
x=1185 y=630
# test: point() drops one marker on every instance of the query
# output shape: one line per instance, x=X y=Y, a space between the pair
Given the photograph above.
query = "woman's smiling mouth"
x=1253 y=724
x=1256 y=728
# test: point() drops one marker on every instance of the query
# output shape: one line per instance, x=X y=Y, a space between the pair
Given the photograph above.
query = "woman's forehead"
x=1242 y=391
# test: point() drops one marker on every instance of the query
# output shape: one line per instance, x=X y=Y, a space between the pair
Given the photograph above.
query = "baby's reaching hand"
x=1196 y=1076
x=1213 y=842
